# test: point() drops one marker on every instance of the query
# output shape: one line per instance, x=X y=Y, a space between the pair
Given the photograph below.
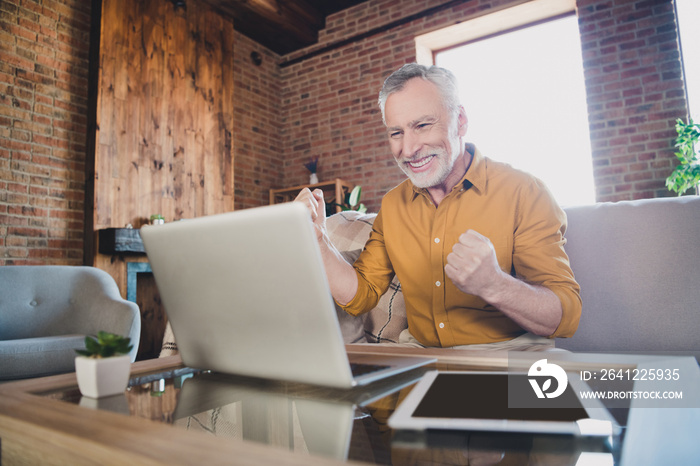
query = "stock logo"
x=540 y=376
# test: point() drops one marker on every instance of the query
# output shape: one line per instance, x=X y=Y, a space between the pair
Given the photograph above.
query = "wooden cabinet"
x=333 y=192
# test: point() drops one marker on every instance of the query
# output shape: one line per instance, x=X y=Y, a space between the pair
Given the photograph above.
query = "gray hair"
x=441 y=77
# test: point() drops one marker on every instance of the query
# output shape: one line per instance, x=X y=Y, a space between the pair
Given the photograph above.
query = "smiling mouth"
x=415 y=164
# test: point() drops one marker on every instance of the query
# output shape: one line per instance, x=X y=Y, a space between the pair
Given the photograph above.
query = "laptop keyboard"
x=362 y=369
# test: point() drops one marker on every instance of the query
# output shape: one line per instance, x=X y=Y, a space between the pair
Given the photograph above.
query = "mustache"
x=425 y=153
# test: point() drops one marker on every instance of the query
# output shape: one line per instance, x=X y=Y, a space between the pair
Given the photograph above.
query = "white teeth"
x=420 y=163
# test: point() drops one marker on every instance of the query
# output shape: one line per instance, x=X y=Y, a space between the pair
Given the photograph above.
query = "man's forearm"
x=341 y=275
x=534 y=307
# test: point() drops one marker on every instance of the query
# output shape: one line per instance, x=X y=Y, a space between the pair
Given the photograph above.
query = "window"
x=524 y=95
x=688 y=13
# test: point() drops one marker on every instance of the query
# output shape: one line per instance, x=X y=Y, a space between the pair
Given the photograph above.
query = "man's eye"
x=395 y=134
x=423 y=125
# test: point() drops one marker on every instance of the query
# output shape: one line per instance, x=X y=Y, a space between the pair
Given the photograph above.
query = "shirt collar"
x=474 y=177
x=476 y=174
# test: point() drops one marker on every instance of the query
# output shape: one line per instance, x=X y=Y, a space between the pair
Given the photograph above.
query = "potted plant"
x=157 y=219
x=103 y=367
x=687 y=174
x=352 y=200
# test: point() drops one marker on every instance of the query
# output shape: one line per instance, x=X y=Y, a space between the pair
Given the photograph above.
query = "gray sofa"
x=46 y=312
x=636 y=262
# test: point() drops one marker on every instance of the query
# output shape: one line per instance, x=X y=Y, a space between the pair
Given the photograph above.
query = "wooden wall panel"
x=164 y=125
x=164 y=117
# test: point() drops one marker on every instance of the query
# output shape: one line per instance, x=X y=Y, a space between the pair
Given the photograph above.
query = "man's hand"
x=472 y=265
x=341 y=275
x=317 y=207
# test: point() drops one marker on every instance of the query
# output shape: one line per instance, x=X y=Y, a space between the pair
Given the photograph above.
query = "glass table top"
x=330 y=423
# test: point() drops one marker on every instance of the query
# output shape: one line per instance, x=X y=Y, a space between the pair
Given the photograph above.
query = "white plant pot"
x=98 y=378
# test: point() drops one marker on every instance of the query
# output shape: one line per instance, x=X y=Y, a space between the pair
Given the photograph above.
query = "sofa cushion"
x=37 y=357
x=637 y=264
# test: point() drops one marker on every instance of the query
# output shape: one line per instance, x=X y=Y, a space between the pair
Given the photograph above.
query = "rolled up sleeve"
x=374 y=272
x=539 y=256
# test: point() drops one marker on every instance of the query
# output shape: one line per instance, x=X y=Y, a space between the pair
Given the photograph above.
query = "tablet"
x=479 y=401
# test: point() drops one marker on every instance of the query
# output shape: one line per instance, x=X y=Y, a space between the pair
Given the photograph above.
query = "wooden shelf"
x=333 y=191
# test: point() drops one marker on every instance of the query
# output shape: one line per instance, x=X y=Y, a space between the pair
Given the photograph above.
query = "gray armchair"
x=46 y=312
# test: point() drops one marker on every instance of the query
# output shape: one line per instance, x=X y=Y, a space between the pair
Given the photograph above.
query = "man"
x=476 y=244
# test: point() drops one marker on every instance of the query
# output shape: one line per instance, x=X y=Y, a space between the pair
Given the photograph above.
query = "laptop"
x=246 y=293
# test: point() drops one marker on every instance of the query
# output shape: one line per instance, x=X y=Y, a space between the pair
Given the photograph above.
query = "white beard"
x=443 y=162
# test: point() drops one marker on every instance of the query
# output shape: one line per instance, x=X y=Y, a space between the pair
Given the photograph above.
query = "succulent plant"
x=105 y=345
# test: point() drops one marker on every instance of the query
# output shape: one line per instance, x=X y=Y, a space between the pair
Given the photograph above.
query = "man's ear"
x=462 y=121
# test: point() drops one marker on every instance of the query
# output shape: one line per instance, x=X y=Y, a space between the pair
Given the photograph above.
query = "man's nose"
x=411 y=144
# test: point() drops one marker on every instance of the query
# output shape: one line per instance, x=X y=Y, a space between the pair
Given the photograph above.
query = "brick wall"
x=633 y=81
x=257 y=140
x=635 y=92
x=43 y=103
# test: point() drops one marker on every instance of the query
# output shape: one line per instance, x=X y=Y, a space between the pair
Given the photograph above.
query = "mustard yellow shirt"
x=412 y=238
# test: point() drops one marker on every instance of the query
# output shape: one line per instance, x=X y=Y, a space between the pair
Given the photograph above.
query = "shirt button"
x=442 y=325
x=437 y=283
x=437 y=240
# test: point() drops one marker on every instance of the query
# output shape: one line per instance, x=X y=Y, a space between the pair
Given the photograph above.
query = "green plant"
x=157 y=217
x=687 y=174
x=352 y=200
x=105 y=345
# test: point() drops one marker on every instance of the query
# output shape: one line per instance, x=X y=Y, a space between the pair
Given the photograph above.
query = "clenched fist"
x=472 y=265
x=313 y=200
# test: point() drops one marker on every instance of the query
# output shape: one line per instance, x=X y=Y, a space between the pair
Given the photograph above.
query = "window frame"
x=489 y=25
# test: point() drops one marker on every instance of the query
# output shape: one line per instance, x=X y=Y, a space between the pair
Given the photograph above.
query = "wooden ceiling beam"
x=274 y=17
x=283 y=26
